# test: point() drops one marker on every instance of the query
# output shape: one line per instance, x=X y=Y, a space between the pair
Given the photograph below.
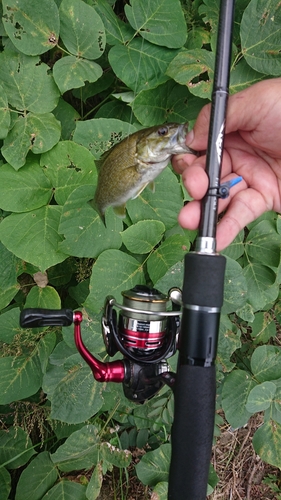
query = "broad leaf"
x=262 y=288
x=113 y=272
x=68 y=165
x=266 y=442
x=66 y=490
x=16 y=447
x=169 y=102
x=45 y=298
x=82 y=30
x=162 y=205
x=171 y=251
x=157 y=22
x=5 y=483
x=36 y=133
x=32 y=27
x=263 y=243
x=99 y=135
x=143 y=236
x=242 y=76
x=84 y=231
x=153 y=468
x=263 y=327
x=190 y=64
x=9 y=325
x=25 y=189
x=79 y=451
x=115 y=456
x=229 y=341
x=33 y=236
x=266 y=363
x=5 y=118
x=116 y=30
x=27 y=82
x=75 y=395
x=260 y=36
x=72 y=72
x=235 y=287
x=261 y=397
x=9 y=285
x=140 y=65
x=38 y=477
x=236 y=388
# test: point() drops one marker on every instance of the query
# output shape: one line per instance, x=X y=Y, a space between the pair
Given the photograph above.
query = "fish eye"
x=163 y=131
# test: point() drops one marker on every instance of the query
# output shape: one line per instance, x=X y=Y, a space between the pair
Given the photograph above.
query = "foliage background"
x=76 y=77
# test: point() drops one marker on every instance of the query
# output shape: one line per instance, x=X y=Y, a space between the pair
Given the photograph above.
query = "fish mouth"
x=178 y=140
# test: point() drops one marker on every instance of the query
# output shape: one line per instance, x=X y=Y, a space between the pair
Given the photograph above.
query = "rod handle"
x=192 y=432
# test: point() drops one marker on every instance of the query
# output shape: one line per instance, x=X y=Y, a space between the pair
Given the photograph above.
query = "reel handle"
x=32 y=318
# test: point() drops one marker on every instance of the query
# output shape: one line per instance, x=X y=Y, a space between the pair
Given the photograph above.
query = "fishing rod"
x=202 y=298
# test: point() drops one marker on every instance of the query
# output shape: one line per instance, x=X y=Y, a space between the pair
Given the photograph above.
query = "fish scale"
x=129 y=166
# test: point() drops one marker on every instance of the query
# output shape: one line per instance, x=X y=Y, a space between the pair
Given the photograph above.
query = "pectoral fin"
x=120 y=211
x=151 y=186
x=140 y=190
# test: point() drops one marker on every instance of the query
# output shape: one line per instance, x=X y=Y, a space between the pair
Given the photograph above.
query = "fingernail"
x=189 y=138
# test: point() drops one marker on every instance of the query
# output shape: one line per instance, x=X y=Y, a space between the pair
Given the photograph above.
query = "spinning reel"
x=145 y=333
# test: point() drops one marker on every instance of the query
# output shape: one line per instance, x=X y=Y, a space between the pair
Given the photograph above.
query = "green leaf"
x=36 y=133
x=236 y=388
x=99 y=135
x=265 y=363
x=115 y=456
x=85 y=233
x=242 y=76
x=33 y=236
x=262 y=288
x=74 y=393
x=68 y=117
x=27 y=82
x=46 y=298
x=15 y=447
x=169 y=102
x=263 y=243
x=171 y=251
x=172 y=278
x=162 y=205
x=263 y=327
x=113 y=272
x=9 y=325
x=95 y=483
x=261 y=397
x=154 y=466
x=229 y=341
x=143 y=236
x=190 y=64
x=82 y=30
x=38 y=477
x=236 y=248
x=66 y=490
x=5 y=118
x=266 y=442
x=235 y=287
x=5 y=483
x=25 y=189
x=140 y=65
x=157 y=22
x=79 y=451
x=32 y=27
x=72 y=72
x=260 y=36
x=21 y=377
x=9 y=285
x=161 y=490
x=116 y=30
x=68 y=165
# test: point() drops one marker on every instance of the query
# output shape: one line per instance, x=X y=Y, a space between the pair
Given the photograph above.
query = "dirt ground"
x=240 y=470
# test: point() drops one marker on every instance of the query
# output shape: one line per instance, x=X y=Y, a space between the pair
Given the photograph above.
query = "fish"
x=133 y=163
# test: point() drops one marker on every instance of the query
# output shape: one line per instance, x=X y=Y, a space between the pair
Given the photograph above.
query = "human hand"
x=252 y=150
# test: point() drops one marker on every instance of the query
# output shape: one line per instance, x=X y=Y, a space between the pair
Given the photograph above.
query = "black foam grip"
x=203 y=279
x=37 y=317
x=192 y=432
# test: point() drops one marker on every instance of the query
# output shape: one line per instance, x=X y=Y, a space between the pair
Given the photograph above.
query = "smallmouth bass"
x=132 y=164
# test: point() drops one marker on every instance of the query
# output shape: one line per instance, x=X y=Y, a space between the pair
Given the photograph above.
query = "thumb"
x=197 y=138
